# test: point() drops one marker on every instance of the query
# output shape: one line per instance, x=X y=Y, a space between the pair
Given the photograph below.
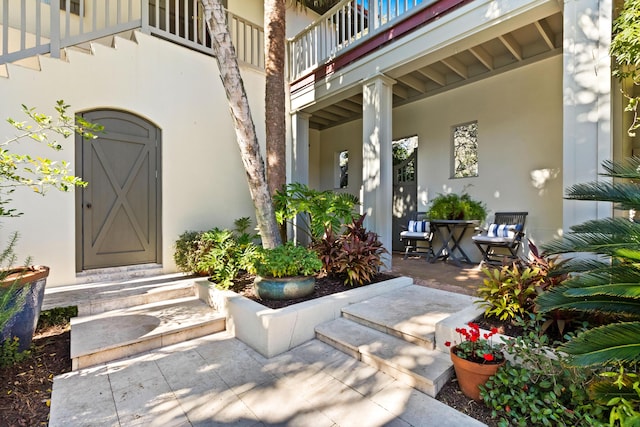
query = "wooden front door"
x=119 y=211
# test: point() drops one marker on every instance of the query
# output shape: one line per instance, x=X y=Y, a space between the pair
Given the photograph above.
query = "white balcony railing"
x=36 y=27
x=344 y=26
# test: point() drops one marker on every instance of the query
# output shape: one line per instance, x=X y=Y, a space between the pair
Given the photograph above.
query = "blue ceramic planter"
x=30 y=283
x=279 y=288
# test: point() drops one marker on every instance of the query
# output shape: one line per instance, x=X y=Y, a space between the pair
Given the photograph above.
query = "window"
x=465 y=150
x=342 y=169
x=74 y=5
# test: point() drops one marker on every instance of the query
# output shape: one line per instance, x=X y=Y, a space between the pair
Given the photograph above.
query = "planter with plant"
x=22 y=287
x=285 y=272
x=456 y=207
x=475 y=359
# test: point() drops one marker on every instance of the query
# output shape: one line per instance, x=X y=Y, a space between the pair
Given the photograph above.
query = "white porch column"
x=377 y=158
x=300 y=152
x=587 y=88
x=300 y=159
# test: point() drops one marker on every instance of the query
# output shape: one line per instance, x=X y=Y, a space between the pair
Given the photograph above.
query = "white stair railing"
x=36 y=27
x=343 y=27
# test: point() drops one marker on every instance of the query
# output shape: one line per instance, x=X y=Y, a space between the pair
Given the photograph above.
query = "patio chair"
x=418 y=230
x=501 y=240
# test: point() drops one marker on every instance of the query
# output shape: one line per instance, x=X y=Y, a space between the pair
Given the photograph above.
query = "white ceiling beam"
x=338 y=110
x=413 y=83
x=432 y=75
x=545 y=32
x=326 y=115
x=512 y=45
x=350 y=105
x=483 y=56
x=456 y=66
x=400 y=91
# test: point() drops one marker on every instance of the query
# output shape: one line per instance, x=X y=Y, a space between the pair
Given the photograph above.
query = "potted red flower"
x=475 y=359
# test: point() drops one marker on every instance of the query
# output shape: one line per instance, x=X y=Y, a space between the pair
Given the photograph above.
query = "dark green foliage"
x=458 y=207
x=315 y=210
x=540 y=389
x=58 y=316
x=354 y=255
x=9 y=354
x=221 y=254
x=286 y=261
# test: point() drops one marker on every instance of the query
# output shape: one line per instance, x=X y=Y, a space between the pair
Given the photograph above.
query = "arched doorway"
x=118 y=213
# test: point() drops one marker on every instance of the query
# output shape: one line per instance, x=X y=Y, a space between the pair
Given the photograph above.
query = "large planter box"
x=271 y=332
x=30 y=283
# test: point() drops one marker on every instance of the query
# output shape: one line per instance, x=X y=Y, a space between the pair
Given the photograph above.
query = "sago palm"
x=608 y=281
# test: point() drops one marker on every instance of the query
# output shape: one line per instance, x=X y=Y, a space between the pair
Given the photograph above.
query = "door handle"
x=89 y=205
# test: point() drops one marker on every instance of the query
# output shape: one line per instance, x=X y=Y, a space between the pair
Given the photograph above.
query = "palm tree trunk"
x=274 y=34
x=243 y=123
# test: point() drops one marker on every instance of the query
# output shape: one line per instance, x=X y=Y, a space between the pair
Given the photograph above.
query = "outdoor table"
x=451 y=232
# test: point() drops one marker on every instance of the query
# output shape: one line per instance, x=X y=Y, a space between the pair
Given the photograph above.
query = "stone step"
x=121 y=333
x=424 y=369
x=111 y=293
x=410 y=313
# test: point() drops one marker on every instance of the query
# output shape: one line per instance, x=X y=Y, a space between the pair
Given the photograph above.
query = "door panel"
x=405 y=190
x=119 y=210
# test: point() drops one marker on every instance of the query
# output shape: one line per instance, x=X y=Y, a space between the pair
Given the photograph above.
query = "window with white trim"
x=465 y=150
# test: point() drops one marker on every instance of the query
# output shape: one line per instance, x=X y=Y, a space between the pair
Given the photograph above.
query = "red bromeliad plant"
x=477 y=347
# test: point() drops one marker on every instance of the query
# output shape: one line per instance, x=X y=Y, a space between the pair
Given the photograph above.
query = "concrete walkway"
x=219 y=381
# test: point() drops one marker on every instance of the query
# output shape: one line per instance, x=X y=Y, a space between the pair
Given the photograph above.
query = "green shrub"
x=354 y=255
x=458 y=207
x=59 y=316
x=540 y=389
x=9 y=354
x=286 y=261
x=221 y=254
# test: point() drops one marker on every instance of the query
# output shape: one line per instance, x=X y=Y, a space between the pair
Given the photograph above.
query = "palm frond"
x=625 y=290
x=629 y=168
x=605 y=390
x=605 y=345
x=625 y=195
x=557 y=299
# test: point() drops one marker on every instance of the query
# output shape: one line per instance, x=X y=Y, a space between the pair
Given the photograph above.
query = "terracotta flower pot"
x=471 y=375
x=23 y=323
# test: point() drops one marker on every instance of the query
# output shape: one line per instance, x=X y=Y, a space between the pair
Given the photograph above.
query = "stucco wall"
x=519 y=116
x=203 y=180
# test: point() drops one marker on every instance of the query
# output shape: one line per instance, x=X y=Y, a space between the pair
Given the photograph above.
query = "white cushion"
x=418 y=226
x=415 y=235
x=483 y=238
x=503 y=230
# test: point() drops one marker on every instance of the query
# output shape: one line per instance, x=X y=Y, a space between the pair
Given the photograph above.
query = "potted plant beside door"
x=22 y=287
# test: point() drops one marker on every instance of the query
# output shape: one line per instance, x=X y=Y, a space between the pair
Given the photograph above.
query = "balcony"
x=427 y=47
x=39 y=27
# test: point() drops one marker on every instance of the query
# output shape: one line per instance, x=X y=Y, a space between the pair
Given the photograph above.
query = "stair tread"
x=412 y=311
x=91 y=334
x=114 y=290
x=404 y=356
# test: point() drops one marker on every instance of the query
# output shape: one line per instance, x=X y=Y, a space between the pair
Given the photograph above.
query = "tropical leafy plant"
x=286 y=260
x=354 y=255
x=220 y=253
x=315 y=210
x=456 y=206
x=608 y=282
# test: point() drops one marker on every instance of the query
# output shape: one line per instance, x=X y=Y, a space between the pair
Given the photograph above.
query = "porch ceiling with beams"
x=535 y=41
